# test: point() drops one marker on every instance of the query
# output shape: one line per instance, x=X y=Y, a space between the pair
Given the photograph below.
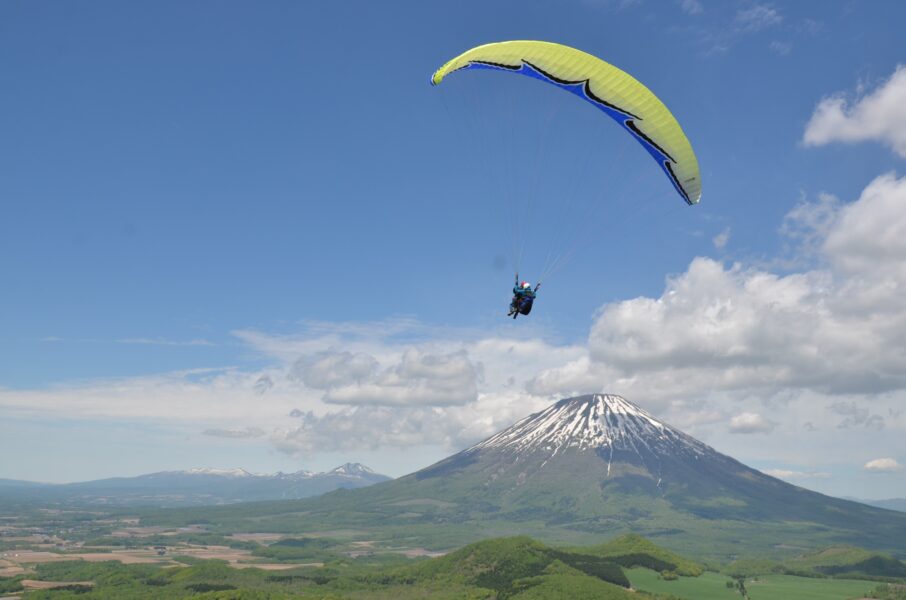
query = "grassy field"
x=709 y=586
x=802 y=588
x=712 y=586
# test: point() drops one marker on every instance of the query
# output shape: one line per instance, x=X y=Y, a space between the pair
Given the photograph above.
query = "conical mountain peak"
x=599 y=421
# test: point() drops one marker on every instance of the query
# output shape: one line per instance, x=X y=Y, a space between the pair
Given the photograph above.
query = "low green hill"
x=835 y=561
x=851 y=561
x=560 y=582
x=633 y=550
x=520 y=568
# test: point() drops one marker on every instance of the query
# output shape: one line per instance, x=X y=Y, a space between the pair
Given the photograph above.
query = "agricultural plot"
x=713 y=586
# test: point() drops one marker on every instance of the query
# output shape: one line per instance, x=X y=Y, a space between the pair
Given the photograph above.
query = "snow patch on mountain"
x=237 y=472
x=353 y=470
x=594 y=422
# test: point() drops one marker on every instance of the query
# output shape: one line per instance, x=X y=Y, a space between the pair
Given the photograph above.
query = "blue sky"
x=197 y=196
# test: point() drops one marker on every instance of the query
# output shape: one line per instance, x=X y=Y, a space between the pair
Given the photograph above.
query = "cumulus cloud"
x=868 y=238
x=882 y=465
x=418 y=379
x=354 y=428
x=837 y=330
x=751 y=423
x=237 y=434
x=878 y=116
x=327 y=370
x=371 y=427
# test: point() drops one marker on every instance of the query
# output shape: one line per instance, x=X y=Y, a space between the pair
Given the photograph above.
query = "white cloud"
x=371 y=427
x=868 y=239
x=882 y=465
x=751 y=423
x=190 y=396
x=836 y=330
x=744 y=23
x=692 y=7
x=787 y=474
x=809 y=223
x=330 y=386
x=758 y=17
x=720 y=240
x=327 y=370
x=878 y=116
x=810 y=27
x=418 y=379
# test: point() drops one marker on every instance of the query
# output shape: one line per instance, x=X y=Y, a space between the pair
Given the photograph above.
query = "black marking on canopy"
x=498 y=65
x=554 y=77
x=676 y=182
x=586 y=86
x=458 y=69
x=631 y=125
x=594 y=98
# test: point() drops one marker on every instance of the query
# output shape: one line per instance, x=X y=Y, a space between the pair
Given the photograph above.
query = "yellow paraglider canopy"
x=608 y=88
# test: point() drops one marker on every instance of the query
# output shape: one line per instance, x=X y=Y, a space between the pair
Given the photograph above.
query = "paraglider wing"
x=609 y=89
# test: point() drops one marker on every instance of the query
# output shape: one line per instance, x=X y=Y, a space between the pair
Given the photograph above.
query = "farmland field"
x=713 y=586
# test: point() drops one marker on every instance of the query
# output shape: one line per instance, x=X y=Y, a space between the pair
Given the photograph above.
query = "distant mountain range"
x=593 y=467
x=891 y=504
x=195 y=487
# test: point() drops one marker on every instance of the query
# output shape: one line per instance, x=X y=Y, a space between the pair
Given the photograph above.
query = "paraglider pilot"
x=523 y=298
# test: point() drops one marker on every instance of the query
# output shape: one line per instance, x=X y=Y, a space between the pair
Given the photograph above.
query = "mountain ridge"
x=201 y=485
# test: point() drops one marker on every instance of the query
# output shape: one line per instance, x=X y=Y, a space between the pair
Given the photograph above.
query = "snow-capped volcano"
x=600 y=465
x=352 y=470
x=595 y=422
x=609 y=426
x=599 y=452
